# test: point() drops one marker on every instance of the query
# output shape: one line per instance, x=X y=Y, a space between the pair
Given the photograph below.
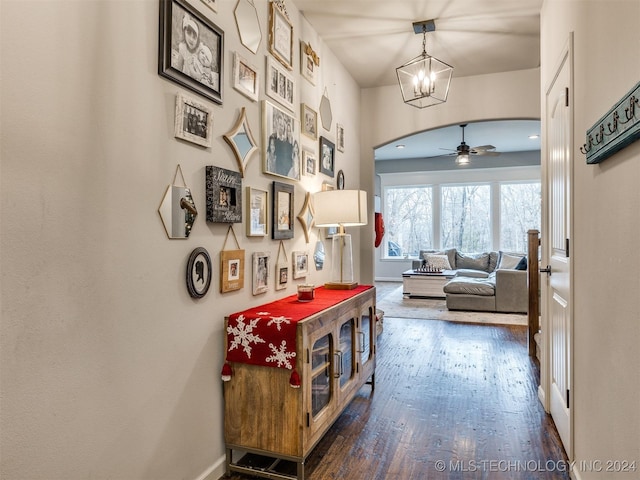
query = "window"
x=519 y=212
x=466 y=218
x=408 y=220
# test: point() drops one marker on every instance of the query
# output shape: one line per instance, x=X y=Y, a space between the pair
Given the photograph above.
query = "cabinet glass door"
x=321 y=374
x=345 y=352
x=365 y=335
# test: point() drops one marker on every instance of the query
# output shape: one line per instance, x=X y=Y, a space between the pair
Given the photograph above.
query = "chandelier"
x=424 y=80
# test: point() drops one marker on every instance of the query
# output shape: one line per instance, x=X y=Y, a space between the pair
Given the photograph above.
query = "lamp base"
x=340 y=286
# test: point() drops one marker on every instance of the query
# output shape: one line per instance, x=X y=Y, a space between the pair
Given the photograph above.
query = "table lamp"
x=341 y=208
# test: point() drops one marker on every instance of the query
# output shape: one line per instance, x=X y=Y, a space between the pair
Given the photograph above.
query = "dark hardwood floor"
x=452 y=401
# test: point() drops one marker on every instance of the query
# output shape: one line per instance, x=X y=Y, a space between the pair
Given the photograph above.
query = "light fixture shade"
x=462 y=159
x=424 y=81
x=333 y=208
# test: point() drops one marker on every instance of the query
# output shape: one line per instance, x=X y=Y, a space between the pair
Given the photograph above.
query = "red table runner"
x=266 y=335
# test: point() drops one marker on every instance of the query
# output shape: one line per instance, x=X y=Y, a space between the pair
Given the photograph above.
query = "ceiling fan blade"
x=485 y=153
x=484 y=147
x=448 y=149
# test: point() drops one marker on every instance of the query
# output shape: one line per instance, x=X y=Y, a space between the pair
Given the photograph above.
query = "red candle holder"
x=306 y=293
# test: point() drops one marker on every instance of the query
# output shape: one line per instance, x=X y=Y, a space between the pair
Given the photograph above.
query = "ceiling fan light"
x=462 y=159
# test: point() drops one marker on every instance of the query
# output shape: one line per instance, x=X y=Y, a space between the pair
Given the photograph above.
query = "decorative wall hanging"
x=319 y=253
x=199 y=273
x=340 y=181
x=191 y=49
x=261 y=266
x=305 y=217
x=177 y=209
x=282 y=268
x=279 y=83
x=280 y=142
x=257 y=217
x=300 y=264
x=622 y=128
x=231 y=266
x=212 y=4
x=248 y=25
x=282 y=211
x=340 y=137
x=326 y=117
x=224 y=195
x=309 y=120
x=280 y=34
x=308 y=162
x=241 y=141
x=194 y=121
x=327 y=156
x=246 y=77
x=309 y=62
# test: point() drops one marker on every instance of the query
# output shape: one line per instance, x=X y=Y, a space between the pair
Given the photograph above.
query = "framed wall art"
x=309 y=121
x=327 y=157
x=340 y=180
x=281 y=142
x=279 y=83
x=246 y=78
x=340 y=137
x=300 y=264
x=280 y=34
x=282 y=211
x=260 y=272
x=308 y=162
x=191 y=49
x=282 y=268
x=257 y=207
x=194 y=121
x=241 y=141
x=224 y=195
x=306 y=216
x=231 y=265
x=198 y=273
x=309 y=62
x=212 y=4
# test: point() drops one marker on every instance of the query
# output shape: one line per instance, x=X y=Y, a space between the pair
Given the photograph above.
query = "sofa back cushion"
x=475 y=261
x=509 y=261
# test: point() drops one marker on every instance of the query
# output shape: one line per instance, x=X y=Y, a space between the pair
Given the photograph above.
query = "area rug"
x=390 y=300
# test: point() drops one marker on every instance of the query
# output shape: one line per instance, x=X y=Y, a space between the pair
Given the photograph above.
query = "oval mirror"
x=178 y=211
x=248 y=25
x=318 y=255
x=326 y=117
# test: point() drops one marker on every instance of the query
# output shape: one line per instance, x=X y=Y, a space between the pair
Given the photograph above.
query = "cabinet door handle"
x=338 y=370
x=361 y=349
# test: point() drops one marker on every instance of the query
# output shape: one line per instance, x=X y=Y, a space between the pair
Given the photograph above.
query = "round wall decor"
x=199 y=273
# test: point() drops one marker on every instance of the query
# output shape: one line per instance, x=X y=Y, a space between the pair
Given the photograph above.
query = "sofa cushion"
x=469 y=272
x=522 y=265
x=438 y=262
x=509 y=261
x=470 y=286
x=475 y=261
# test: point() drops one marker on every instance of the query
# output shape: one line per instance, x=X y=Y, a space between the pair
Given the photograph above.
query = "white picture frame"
x=193 y=120
x=309 y=121
x=261 y=265
x=257 y=212
x=309 y=62
x=309 y=162
x=279 y=83
x=300 y=261
x=340 y=137
x=246 y=78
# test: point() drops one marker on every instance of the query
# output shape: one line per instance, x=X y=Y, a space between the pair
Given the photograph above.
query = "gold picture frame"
x=280 y=34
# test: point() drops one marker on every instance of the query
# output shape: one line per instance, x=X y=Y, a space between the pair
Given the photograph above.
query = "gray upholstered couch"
x=488 y=281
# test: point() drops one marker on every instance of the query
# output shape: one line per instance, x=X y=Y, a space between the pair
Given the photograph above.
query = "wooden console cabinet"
x=270 y=428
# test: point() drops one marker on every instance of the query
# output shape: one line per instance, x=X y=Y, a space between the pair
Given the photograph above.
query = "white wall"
x=606 y=201
x=109 y=368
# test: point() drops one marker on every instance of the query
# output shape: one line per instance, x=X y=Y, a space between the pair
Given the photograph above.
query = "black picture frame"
x=223 y=195
x=194 y=64
x=327 y=157
x=282 y=217
x=199 y=272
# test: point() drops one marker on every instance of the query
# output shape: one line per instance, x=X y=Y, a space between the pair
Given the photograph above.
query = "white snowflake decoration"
x=281 y=356
x=263 y=314
x=243 y=335
x=278 y=321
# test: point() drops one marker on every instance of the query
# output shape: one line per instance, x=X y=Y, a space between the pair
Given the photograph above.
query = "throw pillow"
x=477 y=261
x=437 y=262
x=522 y=265
x=508 y=261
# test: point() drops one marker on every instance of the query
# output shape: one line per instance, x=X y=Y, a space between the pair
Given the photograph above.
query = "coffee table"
x=419 y=284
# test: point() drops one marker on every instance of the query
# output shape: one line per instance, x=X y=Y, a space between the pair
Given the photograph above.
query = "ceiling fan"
x=464 y=151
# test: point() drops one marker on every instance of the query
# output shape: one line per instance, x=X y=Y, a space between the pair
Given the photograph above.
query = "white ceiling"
x=371 y=38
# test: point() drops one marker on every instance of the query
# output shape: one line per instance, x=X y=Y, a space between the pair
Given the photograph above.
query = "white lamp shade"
x=333 y=208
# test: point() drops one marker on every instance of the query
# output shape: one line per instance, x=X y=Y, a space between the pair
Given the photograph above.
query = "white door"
x=558 y=245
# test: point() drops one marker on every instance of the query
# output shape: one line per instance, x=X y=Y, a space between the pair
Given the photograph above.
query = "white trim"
x=215 y=471
x=488 y=175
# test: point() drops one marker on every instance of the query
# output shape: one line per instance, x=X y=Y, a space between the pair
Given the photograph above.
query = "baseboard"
x=215 y=471
x=541 y=397
x=388 y=279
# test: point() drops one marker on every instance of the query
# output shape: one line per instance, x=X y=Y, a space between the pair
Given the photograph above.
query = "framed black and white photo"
x=191 y=49
x=260 y=272
x=280 y=35
x=280 y=84
x=282 y=276
x=246 y=77
x=280 y=142
x=194 y=121
x=340 y=137
x=308 y=162
x=198 y=272
x=300 y=264
x=257 y=207
x=282 y=211
x=224 y=195
x=309 y=121
x=327 y=157
x=309 y=62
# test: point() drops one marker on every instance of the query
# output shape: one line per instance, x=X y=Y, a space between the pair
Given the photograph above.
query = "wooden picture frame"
x=282 y=217
x=199 y=272
x=279 y=83
x=309 y=62
x=246 y=78
x=340 y=137
x=280 y=35
x=224 y=195
x=327 y=157
x=280 y=142
x=261 y=265
x=193 y=121
x=282 y=276
x=231 y=270
x=257 y=212
x=190 y=49
x=308 y=121
x=309 y=162
x=300 y=264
